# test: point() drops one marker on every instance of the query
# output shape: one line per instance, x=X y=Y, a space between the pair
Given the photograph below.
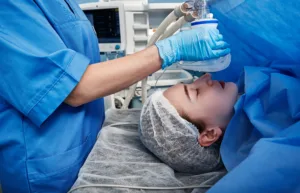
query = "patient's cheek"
x=168 y=95
x=173 y=100
x=172 y=95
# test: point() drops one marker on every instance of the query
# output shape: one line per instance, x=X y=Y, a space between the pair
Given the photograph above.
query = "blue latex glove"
x=193 y=45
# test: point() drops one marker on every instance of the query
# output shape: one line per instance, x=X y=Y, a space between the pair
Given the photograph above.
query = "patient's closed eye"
x=186 y=91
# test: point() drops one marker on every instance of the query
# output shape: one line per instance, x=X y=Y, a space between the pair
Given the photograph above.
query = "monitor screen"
x=106 y=23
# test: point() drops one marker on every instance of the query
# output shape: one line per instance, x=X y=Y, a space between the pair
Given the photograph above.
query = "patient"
x=207 y=104
x=182 y=126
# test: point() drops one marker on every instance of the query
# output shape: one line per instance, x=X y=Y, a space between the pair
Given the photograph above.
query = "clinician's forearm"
x=108 y=77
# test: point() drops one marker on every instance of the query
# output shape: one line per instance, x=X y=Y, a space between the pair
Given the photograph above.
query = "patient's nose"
x=203 y=79
x=210 y=82
x=206 y=76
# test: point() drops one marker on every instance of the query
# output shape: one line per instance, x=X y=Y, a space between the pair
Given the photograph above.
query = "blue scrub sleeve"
x=34 y=79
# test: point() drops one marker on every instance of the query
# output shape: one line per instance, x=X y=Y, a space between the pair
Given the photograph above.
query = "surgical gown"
x=261 y=145
x=46 y=46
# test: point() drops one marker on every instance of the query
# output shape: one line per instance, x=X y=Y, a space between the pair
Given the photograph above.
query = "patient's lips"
x=222 y=83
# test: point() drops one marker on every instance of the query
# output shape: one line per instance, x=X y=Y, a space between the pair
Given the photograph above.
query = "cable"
x=138 y=187
x=160 y=77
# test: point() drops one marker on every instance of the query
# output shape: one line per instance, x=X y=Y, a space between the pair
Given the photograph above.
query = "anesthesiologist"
x=51 y=108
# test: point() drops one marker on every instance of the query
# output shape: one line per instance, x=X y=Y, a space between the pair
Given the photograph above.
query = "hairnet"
x=174 y=140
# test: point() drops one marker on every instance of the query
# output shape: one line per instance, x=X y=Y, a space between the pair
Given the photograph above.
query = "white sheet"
x=120 y=158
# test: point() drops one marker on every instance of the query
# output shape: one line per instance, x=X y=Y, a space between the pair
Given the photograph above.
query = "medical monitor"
x=107 y=19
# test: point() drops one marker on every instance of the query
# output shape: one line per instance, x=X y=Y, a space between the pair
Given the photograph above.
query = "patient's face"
x=204 y=102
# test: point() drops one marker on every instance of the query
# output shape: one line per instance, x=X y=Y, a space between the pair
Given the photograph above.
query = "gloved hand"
x=193 y=45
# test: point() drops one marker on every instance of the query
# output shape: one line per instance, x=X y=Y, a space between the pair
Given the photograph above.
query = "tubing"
x=183 y=20
x=129 y=96
x=162 y=27
x=176 y=13
x=178 y=24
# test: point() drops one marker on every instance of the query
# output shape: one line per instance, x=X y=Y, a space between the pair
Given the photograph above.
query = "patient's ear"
x=209 y=136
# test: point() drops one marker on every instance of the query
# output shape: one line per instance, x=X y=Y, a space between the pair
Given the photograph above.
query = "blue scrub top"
x=46 y=47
